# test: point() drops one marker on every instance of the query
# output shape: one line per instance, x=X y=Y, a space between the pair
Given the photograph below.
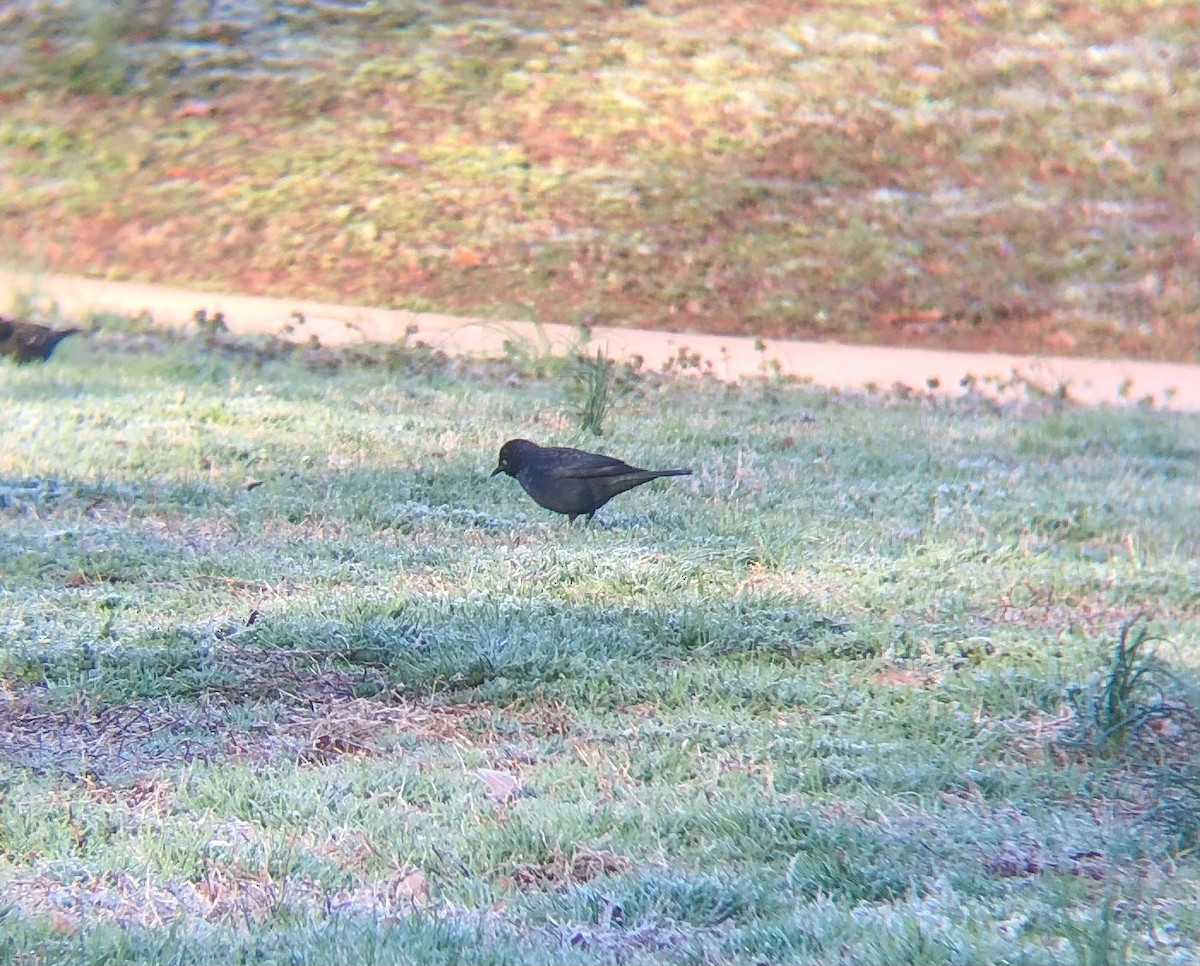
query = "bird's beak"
x=498 y=469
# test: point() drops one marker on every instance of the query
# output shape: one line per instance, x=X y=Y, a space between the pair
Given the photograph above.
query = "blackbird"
x=569 y=480
x=26 y=341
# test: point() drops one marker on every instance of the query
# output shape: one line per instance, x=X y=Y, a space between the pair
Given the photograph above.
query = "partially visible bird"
x=571 y=481
x=27 y=341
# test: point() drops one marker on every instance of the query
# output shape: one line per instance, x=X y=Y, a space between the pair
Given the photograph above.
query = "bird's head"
x=512 y=456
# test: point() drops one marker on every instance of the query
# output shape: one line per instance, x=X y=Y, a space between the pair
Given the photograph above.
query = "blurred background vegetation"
x=979 y=175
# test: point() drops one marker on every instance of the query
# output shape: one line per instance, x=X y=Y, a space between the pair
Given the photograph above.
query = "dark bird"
x=569 y=480
x=28 y=342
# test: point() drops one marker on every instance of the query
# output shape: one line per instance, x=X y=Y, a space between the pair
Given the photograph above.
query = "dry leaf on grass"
x=903 y=677
x=501 y=786
x=414 y=886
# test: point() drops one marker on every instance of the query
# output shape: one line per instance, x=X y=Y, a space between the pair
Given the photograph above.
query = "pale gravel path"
x=1171 y=386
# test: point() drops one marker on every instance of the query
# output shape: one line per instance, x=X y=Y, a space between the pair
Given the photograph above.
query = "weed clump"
x=1130 y=695
x=593 y=378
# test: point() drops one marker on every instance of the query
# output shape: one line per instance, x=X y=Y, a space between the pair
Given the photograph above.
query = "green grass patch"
x=286 y=675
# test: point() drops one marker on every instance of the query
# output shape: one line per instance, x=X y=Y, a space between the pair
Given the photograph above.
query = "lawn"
x=286 y=677
x=986 y=175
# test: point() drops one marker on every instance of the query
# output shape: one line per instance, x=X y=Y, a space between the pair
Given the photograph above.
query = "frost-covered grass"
x=835 y=698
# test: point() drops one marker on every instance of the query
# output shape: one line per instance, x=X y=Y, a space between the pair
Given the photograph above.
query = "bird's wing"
x=576 y=464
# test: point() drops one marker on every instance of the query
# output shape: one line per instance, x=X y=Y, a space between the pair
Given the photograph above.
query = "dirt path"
x=1089 y=381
